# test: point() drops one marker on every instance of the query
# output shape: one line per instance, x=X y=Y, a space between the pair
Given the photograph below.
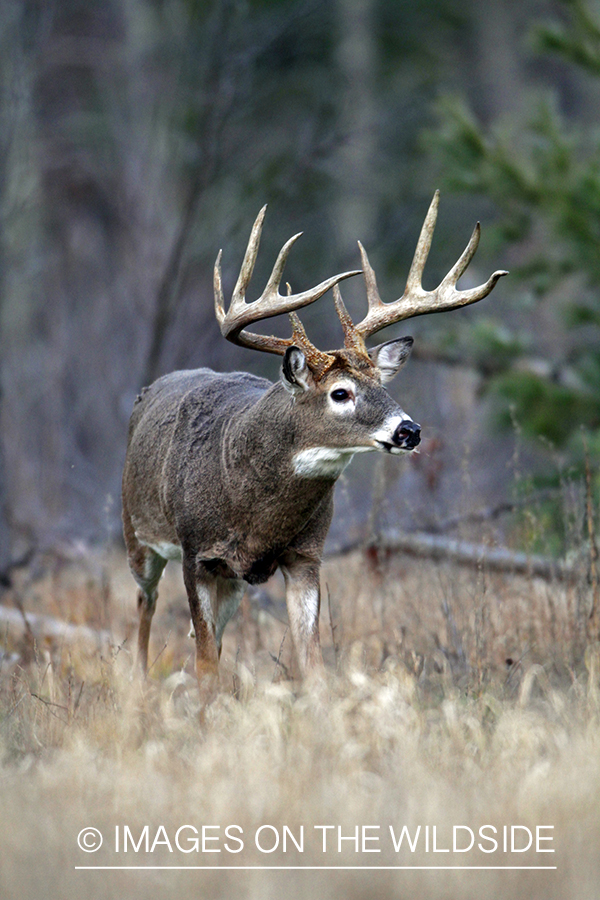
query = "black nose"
x=407 y=435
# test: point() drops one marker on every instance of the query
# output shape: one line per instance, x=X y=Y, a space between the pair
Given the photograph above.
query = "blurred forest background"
x=137 y=137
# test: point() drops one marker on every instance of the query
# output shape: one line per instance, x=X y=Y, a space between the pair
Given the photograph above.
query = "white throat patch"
x=325 y=462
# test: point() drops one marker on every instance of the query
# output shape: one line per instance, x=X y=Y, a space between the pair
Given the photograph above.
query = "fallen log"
x=438 y=547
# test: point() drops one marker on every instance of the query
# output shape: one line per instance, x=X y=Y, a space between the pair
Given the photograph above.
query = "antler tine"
x=271 y=303
x=415 y=301
x=477 y=293
x=218 y=291
x=272 y=287
x=239 y=292
x=464 y=259
x=352 y=339
x=415 y=275
x=373 y=298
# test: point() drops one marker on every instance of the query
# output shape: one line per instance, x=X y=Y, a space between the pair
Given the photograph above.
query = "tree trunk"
x=356 y=55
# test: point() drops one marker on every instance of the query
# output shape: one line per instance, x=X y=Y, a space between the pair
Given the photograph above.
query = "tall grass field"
x=453 y=752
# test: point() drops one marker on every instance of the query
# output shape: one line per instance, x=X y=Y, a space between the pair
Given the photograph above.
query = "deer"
x=234 y=475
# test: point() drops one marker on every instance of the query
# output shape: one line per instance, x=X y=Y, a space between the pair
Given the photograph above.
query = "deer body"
x=219 y=481
x=235 y=476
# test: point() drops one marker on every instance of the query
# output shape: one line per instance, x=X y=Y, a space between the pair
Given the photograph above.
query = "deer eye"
x=340 y=395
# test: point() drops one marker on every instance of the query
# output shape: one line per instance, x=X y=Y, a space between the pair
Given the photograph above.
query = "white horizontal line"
x=325 y=868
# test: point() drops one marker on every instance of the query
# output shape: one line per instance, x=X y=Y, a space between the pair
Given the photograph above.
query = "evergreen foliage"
x=541 y=169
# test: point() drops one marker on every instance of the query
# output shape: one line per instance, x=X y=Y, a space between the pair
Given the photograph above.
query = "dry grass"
x=422 y=723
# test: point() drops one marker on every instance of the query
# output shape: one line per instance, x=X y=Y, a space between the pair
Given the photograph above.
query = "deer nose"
x=407 y=435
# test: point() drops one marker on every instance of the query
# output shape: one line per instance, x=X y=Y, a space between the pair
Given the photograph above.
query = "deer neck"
x=259 y=447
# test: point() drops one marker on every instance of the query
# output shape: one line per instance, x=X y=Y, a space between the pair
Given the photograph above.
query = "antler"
x=270 y=303
x=415 y=301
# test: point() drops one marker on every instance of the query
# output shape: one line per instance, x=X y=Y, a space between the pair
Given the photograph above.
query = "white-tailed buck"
x=234 y=476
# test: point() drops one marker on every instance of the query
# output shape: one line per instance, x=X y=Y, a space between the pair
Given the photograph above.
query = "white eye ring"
x=341 y=397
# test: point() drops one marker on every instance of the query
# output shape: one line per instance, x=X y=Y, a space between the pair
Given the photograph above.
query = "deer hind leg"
x=146 y=567
x=303 y=601
x=202 y=590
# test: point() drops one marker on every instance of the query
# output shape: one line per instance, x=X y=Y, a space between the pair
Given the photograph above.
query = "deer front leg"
x=201 y=589
x=229 y=596
x=303 y=600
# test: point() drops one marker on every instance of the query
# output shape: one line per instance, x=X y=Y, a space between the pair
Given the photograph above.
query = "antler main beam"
x=415 y=301
x=270 y=303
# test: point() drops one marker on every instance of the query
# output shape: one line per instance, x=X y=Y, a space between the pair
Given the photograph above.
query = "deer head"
x=343 y=387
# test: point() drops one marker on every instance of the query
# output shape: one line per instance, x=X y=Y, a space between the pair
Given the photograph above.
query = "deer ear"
x=391 y=356
x=295 y=373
